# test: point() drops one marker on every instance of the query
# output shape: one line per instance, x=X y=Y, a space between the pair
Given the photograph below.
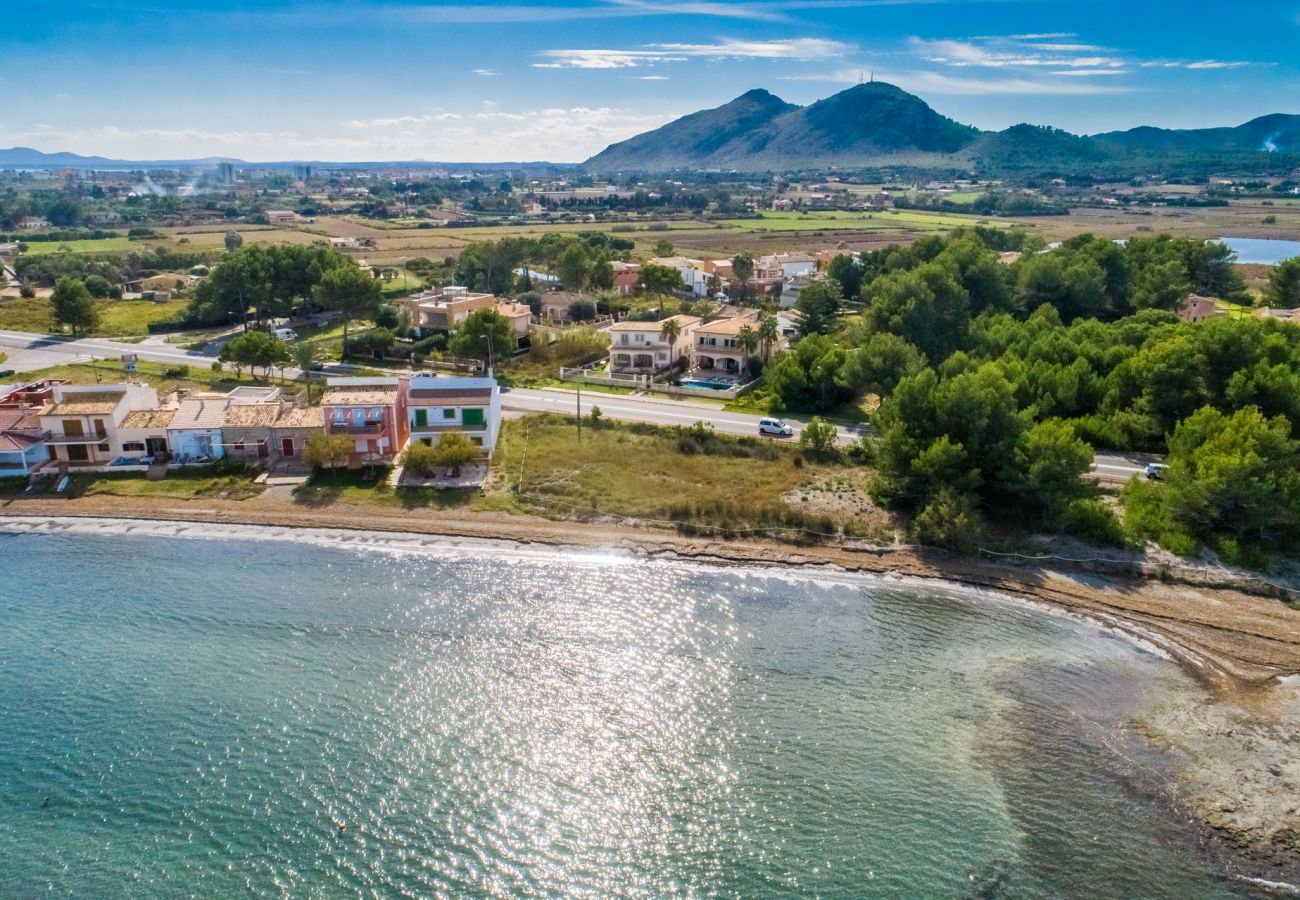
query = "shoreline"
x=1241 y=777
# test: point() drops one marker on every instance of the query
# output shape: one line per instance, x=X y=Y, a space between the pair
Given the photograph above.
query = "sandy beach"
x=1241 y=771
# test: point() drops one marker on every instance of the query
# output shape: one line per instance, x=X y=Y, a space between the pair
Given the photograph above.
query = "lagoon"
x=1262 y=251
x=225 y=713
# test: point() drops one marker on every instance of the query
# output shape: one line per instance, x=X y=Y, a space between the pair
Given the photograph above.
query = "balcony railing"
x=55 y=437
x=350 y=427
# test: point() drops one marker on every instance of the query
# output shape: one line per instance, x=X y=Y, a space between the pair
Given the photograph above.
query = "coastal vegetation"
x=999 y=382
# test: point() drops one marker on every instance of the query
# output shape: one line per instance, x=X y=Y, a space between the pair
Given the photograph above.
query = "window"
x=473 y=418
x=102 y=448
x=377 y=414
x=132 y=446
x=449 y=412
x=421 y=418
x=239 y=446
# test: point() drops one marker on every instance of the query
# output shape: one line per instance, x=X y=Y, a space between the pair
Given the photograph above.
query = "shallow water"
x=1262 y=251
x=200 y=716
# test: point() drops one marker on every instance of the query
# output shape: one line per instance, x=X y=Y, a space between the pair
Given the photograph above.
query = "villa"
x=641 y=347
x=441 y=404
x=444 y=309
x=370 y=411
x=715 y=346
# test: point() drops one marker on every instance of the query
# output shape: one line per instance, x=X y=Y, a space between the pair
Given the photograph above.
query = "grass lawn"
x=328 y=338
x=184 y=484
x=641 y=472
x=117 y=318
x=101 y=245
x=370 y=486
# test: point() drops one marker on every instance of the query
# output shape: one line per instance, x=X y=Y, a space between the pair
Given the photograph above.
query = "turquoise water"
x=198 y=717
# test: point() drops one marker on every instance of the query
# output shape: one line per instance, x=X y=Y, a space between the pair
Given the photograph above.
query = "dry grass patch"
x=726 y=485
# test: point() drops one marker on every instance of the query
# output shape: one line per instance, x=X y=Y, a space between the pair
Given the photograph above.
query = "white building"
x=641 y=347
x=439 y=404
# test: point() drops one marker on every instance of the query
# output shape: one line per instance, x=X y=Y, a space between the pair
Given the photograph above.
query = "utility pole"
x=579 y=412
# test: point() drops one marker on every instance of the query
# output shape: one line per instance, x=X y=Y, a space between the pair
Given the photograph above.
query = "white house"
x=642 y=348
x=439 y=404
x=694 y=276
x=195 y=428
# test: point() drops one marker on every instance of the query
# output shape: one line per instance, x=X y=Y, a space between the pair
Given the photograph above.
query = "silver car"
x=775 y=427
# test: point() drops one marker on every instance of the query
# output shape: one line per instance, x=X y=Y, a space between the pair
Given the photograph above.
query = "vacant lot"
x=117 y=318
x=727 y=485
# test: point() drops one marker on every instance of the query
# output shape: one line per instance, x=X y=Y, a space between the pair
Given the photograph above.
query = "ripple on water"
x=189 y=716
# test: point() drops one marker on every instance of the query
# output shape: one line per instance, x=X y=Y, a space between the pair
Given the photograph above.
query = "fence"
x=719 y=393
x=611 y=379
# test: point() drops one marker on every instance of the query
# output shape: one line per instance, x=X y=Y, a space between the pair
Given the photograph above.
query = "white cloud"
x=937 y=83
x=486 y=73
x=402 y=121
x=557 y=134
x=1193 y=64
x=802 y=49
x=995 y=54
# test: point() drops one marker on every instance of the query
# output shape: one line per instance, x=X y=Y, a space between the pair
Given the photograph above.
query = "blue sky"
x=558 y=80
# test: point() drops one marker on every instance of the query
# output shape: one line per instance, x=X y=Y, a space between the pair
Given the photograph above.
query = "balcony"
x=347 y=426
x=96 y=437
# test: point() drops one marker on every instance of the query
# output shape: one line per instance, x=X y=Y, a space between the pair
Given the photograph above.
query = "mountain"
x=758 y=131
x=1277 y=133
x=27 y=158
x=878 y=124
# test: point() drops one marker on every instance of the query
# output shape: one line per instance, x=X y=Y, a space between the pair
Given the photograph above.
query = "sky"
x=478 y=81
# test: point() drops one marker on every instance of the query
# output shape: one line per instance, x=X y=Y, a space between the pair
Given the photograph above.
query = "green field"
x=830 y=220
x=102 y=245
x=117 y=318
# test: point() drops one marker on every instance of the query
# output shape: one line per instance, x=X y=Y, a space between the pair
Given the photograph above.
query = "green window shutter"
x=448 y=413
x=472 y=418
x=421 y=417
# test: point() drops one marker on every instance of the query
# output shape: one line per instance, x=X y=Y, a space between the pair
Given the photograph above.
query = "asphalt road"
x=36 y=351
x=656 y=411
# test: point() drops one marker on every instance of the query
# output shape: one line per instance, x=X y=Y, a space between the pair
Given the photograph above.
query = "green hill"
x=879 y=125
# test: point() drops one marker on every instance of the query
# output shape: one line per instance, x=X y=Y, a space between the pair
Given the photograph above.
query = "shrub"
x=950 y=520
x=1094 y=522
x=819 y=437
x=181 y=371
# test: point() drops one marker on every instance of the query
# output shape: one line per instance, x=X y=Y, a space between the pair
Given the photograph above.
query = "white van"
x=286 y=334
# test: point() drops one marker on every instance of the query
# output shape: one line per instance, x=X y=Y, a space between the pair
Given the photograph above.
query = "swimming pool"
x=709 y=385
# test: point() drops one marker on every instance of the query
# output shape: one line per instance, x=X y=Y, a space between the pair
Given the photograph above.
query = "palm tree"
x=747 y=340
x=670 y=330
x=304 y=357
x=768 y=332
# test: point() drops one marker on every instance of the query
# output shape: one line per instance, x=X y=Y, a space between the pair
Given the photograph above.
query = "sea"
x=211 y=711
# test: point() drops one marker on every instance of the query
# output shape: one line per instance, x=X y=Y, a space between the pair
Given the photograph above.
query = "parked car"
x=1156 y=471
x=286 y=334
x=775 y=427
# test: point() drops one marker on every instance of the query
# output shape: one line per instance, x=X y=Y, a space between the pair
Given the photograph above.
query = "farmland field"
x=101 y=245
